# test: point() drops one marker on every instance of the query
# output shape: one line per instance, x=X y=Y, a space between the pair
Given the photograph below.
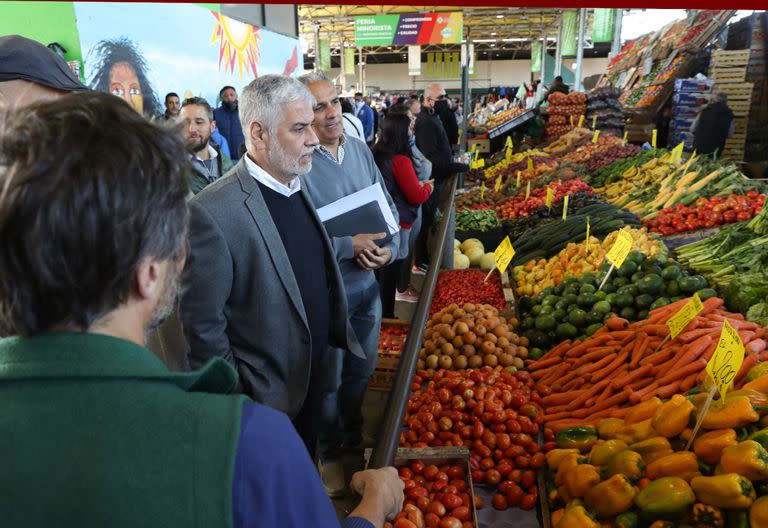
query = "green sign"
x=378 y=30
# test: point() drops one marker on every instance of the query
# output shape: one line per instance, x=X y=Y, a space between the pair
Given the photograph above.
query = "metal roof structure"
x=497 y=32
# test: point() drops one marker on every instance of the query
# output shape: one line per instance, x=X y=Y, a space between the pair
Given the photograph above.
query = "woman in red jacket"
x=392 y=153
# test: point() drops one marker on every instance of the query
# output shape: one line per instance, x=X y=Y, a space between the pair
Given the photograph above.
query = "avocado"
x=587 y=288
x=636 y=256
x=651 y=283
x=562 y=304
x=671 y=273
x=588 y=277
x=546 y=309
x=628 y=313
x=672 y=288
x=566 y=331
x=602 y=307
x=623 y=300
x=643 y=314
x=536 y=310
x=620 y=281
x=526 y=323
x=608 y=287
x=658 y=303
x=627 y=269
x=570 y=298
x=688 y=285
x=577 y=317
x=545 y=322
x=642 y=301
x=591 y=329
x=550 y=299
x=586 y=300
x=559 y=315
x=594 y=317
x=558 y=290
x=706 y=293
x=637 y=276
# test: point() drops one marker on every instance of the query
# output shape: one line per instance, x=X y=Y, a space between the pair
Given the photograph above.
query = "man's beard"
x=168 y=298
x=199 y=144
x=288 y=164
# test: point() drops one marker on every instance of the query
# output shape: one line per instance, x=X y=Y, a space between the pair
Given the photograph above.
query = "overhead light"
x=515 y=40
x=389 y=47
x=499 y=16
x=483 y=41
x=493 y=33
x=493 y=45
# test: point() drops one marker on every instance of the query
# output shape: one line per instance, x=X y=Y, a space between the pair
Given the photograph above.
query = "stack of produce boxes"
x=690 y=95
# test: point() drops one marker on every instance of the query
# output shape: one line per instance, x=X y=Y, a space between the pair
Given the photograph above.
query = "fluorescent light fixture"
x=483 y=41
x=499 y=16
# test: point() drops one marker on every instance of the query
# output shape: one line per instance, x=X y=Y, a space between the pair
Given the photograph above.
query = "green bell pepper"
x=581 y=438
x=627 y=520
x=665 y=498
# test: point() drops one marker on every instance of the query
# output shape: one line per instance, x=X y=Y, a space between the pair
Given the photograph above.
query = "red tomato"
x=500 y=502
x=450 y=522
x=416 y=492
x=404 y=523
x=430 y=472
x=492 y=477
x=437 y=508
x=462 y=513
x=528 y=502
x=456 y=472
x=528 y=479
x=506 y=486
x=431 y=520
x=423 y=503
x=451 y=501
x=406 y=473
x=417 y=466
x=515 y=495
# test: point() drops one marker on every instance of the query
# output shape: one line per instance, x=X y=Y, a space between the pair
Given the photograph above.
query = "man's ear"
x=148 y=279
x=213 y=126
x=258 y=135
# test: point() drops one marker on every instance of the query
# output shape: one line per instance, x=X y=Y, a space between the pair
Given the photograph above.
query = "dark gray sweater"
x=327 y=182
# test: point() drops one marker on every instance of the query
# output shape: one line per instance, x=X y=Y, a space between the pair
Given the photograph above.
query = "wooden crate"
x=740 y=125
x=389 y=358
x=730 y=58
x=729 y=74
x=737 y=91
x=437 y=456
x=740 y=108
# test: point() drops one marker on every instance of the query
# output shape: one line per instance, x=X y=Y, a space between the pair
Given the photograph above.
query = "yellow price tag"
x=595 y=136
x=565 y=207
x=684 y=316
x=482 y=190
x=550 y=195
x=586 y=240
x=571 y=120
x=620 y=249
x=625 y=137
x=473 y=148
x=531 y=174
x=677 y=152
x=519 y=175
x=503 y=254
x=508 y=142
x=594 y=122
x=581 y=120
x=528 y=190
x=653 y=137
x=727 y=359
x=508 y=154
x=497 y=186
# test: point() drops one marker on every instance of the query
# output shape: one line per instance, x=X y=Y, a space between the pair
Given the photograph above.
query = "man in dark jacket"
x=209 y=162
x=228 y=120
x=79 y=287
x=713 y=125
x=434 y=144
x=447 y=115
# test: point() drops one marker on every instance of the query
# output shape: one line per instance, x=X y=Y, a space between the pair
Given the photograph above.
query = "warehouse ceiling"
x=498 y=33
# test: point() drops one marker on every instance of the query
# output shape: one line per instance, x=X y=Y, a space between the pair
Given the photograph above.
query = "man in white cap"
x=30 y=72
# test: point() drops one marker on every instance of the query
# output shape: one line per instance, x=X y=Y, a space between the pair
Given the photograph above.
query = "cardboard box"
x=483 y=145
x=390 y=349
x=684 y=111
x=693 y=85
x=690 y=99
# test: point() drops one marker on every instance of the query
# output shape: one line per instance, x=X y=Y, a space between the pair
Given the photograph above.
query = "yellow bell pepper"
x=578 y=480
x=683 y=464
x=760 y=384
x=735 y=411
x=757 y=397
x=637 y=432
x=747 y=458
x=729 y=490
x=607 y=428
x=569 y=461
x=575 y=516
x=611 y=497
x=665 y=498
x=709 y=446
x=758 y=513
x=556 y=456
x=642 y=411
x=601 y=453
x=759 y=370
x=627 y=463
x=671 y=418
x=652 y=449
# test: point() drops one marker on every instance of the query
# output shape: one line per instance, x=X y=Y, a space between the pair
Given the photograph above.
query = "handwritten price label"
x=625 y=137
x=528 y=190
x=586 y=240
x=581 y=120
x=519 y=175
x=684 y=316
x=550 y=195
x=503 y=254
x=620 y=249
x=595 y=136
x=497 y=186
x=677 y=152
x=571 y=120
x=508 y=142
x=482 y=190
x=594 y=122
x=565 y=207
x=727 y=359
x=531 y=174
x=653 y=137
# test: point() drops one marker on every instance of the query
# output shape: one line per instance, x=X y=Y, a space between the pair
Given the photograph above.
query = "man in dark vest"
x=713 y=126
x=95 y=431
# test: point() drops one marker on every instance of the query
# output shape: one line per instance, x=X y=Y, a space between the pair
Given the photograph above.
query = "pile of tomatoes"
x=435 y=496
x=467 y=286
x=392 y=338
x=706 y=213
x=496 y=413
x=518 y=207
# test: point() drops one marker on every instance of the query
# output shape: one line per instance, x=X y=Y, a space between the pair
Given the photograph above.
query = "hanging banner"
x=414 y=60
x=411 y=28
x=603 y=23
x=536 y=56
x=324 y=54
x=568 y=33
x=471 y=65
x=349 y=61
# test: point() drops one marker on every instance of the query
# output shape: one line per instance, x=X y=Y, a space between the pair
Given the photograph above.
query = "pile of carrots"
x=619 y=366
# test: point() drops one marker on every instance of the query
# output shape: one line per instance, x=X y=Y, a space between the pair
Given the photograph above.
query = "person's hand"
x=366 y=241
x=382 y=494
x=375 y=259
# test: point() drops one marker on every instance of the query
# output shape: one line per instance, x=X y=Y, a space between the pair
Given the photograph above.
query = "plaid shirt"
x=328 y=154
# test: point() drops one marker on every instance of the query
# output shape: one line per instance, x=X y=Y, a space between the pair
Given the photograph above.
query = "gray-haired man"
x=263 y=289
x=342 y=166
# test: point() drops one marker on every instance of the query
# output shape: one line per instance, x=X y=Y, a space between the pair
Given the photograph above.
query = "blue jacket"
x=365 y=114
x=222 y=142
x=228 y=123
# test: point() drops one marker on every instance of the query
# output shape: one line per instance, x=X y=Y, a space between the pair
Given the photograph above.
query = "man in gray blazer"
x=262 y=286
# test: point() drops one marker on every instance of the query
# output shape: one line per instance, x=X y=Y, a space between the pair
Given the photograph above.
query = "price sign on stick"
x=586 y=240
x=571 y=120
x=531 y=174
x=595 y=136
x=550 y=195
x=727 y=359
x=497 y=186
x=519 y=175
x=653 y=137
x=565 y=207
x=482 y=190
x=508 y=142
x=618 y=253
x=581 y=120
x=625 y=137
x=677 y=152
x=594 y=122
x=684 y=316
x=508 y=147
x=528 y=190
x=722 y=368
x=502 y=256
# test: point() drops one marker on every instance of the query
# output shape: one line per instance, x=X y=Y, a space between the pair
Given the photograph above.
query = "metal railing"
x=386 y=445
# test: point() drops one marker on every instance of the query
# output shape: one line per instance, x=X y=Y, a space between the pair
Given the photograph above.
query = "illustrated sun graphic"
x=238 y=45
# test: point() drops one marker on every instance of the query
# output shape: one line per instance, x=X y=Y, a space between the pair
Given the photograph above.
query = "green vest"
x=96 y=432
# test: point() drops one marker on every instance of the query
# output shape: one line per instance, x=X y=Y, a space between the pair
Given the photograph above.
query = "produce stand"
x=511 y=124
x=681 y=239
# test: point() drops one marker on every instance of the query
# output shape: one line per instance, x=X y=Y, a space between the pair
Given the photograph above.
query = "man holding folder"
x=342 y=166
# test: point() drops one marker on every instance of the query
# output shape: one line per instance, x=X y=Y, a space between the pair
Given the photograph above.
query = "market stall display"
x=605 y=110
x=564 y=112
x=690 y=95
x=706 y=213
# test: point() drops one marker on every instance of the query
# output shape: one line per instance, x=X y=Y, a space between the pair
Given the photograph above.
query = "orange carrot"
x=616 y=323
x=597 y=365
x=667 y=390
x=660 y=330
x=749 y=362
x=544 y=362
x=632 y=376
x=659 y=357
x=613 y=365
x=689 y=382
x=611 y=401
x=591 y=342
x=591 y=391
x=683 y=371
x=639 y=384
x=559 y=399
x=641 y=343
x=638 y=395
x=693 y=335
x=693 y=351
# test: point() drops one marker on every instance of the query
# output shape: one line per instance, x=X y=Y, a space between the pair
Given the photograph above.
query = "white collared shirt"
x=261 y=176
x=211 y=152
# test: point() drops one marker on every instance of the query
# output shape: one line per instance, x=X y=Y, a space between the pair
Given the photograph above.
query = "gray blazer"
x=241 y=300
